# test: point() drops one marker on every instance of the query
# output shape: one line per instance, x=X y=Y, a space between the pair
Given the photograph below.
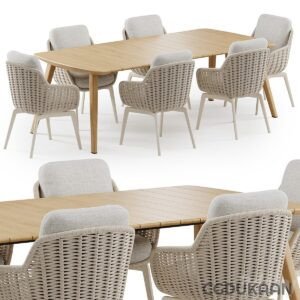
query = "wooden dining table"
x=101 y=59
x=148 y=209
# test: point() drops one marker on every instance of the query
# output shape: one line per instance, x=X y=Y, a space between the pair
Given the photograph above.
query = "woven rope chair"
x=164 y=88
x=241 y=75
x=61 y=76
x=32 y=94
x=151 y=236
x=81 y=264
x=228 y=250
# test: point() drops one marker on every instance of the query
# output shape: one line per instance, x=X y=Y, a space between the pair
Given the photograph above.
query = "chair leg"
x=287 y=84
x=76 y=128
x=113 y=102
x=201 y=108
x=49 y=128
x=34 y=127
x=225 y=103
x=264 y=112
x=82 y=102
x=148 y=283
x=161 y=123
x=256 y=108
x=236 y=104
x=157 y=134
x=124 y=123
x=189 y=102
x=130 y=76
x=234 y=118
x=189 y=126
x=11 y=124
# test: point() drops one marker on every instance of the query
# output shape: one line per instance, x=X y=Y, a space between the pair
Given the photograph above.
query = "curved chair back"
x=26 y=82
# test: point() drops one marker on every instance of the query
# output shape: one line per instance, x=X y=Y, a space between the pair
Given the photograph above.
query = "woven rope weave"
x=83 y=264
x=239 y=249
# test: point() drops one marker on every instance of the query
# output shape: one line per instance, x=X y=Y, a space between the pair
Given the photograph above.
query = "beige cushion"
x=75 y=177
x=141 y=250
x=82 y=81
x=172 y=57
x=29 y=61
x=254 y=44
x=73 y=219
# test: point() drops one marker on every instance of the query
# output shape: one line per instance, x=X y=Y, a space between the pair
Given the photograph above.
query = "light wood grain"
x=93 y=88
x=49 y=72
x=124 y=55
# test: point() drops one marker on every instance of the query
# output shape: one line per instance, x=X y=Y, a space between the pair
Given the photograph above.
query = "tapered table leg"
x=49 y=73
x=212 y=64
x=197 y=228
x=270 y=99
x=93 y=87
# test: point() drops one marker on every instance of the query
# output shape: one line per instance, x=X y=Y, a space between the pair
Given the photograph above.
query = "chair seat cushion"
x=82 y=80
x=172 y=57
x=242 y=46
x=141 y=250
x=29 y=61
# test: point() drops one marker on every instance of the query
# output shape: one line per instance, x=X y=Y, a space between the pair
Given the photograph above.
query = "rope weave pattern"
x=84 y=264
x=238 y=249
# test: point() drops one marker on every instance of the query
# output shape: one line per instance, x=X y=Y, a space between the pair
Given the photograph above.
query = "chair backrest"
x=275 y=29
x=86 y=262
x=26 y=81
x=244 y=73
x=243 y=46
x=74 y=177
x=168 y=82
x=143 y=26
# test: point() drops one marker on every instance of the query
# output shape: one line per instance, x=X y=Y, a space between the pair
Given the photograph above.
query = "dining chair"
x=241 y=75
x=32 y=94
x=80 y=254
x=278 y=31
x=166 y=87
x=242 y=244
x=91 y=176
x=290 y=185
x=78 y=36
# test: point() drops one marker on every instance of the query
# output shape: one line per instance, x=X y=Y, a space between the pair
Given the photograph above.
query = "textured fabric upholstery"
x=172 y=57
x=291 y=186
x=144 y=26
x=75 y=177
x=82 y=80
x=29 y=61
x=237 y=47
x=141 y=250
x=274 y=28
x=1 y=261
x=228 y=204
x=82 y=218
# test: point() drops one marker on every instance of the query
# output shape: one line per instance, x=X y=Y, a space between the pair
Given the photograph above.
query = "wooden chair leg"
x=201 y=108
x=113 y=102
x=11 y=124
x=124 y=123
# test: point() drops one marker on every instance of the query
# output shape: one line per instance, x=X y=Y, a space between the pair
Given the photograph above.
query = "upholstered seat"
x=142 y=249
x=103 y=81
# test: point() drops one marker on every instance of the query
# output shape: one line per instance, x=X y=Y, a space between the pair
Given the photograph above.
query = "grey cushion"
x=29 y=61
x=75 y=177
x=275 y=29
x=82 y=81
x=237 y=47
x=69 y=36
x=172 y=57
x=144 y=26
x=81 y=218
x=228 y=204
x=141 y=250
x=291 y=186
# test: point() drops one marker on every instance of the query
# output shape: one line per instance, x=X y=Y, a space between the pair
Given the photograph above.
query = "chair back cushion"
x=242 y=46
x=143 y=26
x=274 y=28
x=83 y=218
x=26 y=60
x=229 y=204
x=172 y=57
x=75 y=177
x=69 y=36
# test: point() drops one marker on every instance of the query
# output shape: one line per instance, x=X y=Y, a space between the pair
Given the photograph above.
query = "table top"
x=124 y=55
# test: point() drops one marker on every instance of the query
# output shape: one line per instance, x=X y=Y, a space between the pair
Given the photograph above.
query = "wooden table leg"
x=270 y=99
x=93 y=87
x=197 y=228
x=49 y=73
x=289 y=275
x=212 y=64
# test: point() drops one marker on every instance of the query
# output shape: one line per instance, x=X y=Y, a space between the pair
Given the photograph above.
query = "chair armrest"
x=61 y=98
x=211 y=81
x=278 y=60
x=133 y=94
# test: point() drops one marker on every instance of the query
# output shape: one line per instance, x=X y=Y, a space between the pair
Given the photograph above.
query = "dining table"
x=112 y=57
x=154 y=208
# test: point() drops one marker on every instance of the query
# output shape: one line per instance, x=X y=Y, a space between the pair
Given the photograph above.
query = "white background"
x=255 y=162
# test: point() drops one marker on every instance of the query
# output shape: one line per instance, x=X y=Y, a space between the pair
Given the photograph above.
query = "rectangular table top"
x=148 y=208
x=124 y=55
